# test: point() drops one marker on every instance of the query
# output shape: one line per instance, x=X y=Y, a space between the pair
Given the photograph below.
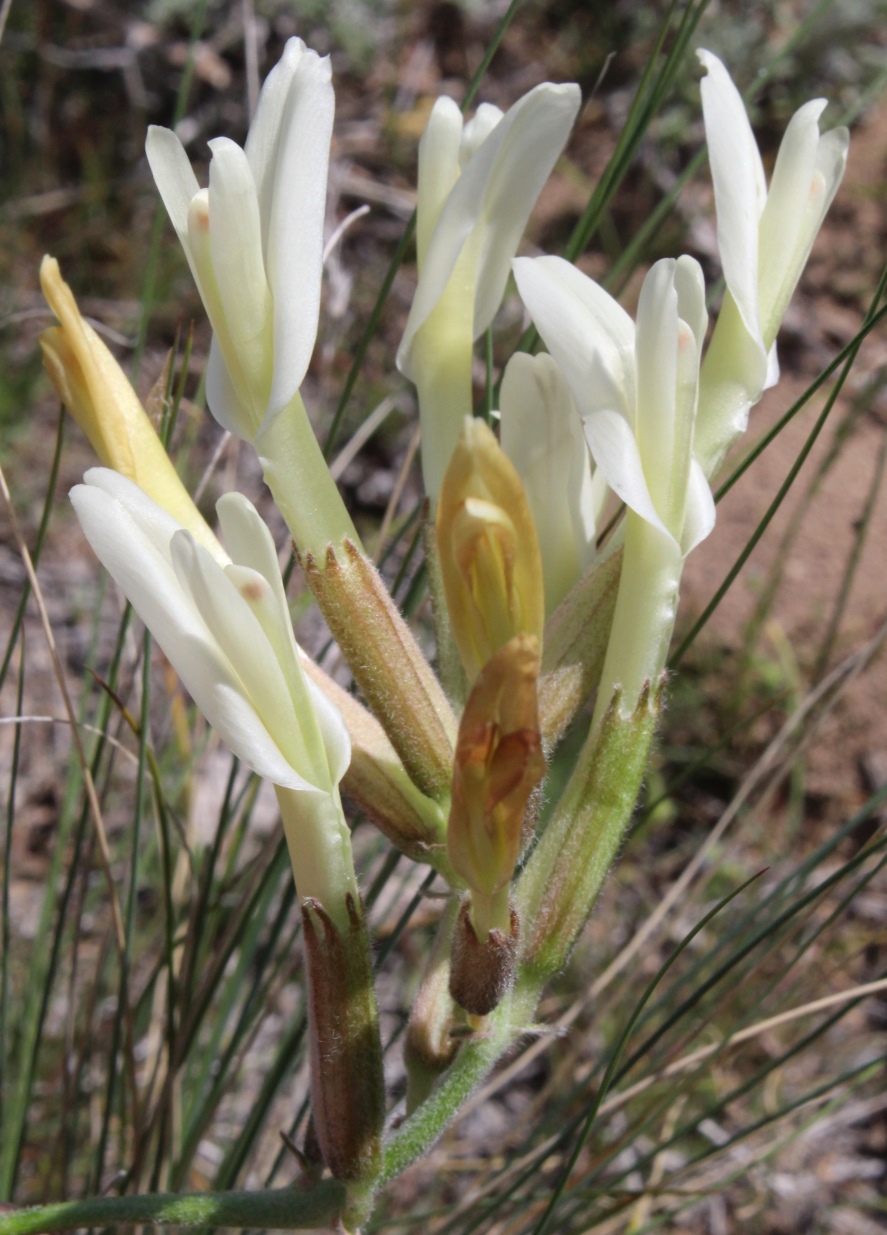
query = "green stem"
x=283 y=1209
x=476 y=1059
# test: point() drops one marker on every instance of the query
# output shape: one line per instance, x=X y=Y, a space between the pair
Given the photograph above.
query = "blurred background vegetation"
x=773 y=754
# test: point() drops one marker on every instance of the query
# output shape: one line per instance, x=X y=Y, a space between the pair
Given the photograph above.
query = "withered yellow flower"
x=498 y=764
x=489 y=551
x=99 y=396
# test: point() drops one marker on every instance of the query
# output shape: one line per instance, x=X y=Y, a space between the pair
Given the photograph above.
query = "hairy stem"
x=283 y=1209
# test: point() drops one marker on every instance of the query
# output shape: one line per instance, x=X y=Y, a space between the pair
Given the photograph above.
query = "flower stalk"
x=301 y=483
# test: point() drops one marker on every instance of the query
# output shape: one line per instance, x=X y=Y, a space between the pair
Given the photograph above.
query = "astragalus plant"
x=556 y=531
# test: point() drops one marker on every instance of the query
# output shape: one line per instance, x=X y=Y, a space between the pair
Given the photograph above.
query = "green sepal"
x=565 y=873
x=387 y=662
x=347 y=1079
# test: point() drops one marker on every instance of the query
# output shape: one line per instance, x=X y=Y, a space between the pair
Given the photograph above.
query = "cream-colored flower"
x=764 y=237
x=478 y=183
x=227 y=632
x=635 y=386
x=254 y=239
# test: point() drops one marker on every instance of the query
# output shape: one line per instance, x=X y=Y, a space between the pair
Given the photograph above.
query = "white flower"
x=764 y=240
x=254 y=239
x=635 y=387
x=477 y=186
x=541 y=433
x=226 y=630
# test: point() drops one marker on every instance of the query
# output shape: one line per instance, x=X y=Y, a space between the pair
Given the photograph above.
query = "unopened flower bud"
x=499 y=762
x=99 y=396
x=489 y=550
x=387 y=663
x=482 y=972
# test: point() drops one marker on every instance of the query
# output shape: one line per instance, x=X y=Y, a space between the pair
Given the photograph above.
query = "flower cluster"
x=617 y=412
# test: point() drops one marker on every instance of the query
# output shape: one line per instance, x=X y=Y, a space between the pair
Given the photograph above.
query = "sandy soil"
x=831 y=492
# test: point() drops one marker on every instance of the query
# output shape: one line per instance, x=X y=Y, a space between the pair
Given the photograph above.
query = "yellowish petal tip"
x=489 y=549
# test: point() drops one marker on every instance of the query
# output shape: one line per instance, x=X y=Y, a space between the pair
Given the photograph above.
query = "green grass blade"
x=784 y=488
x=42 y=528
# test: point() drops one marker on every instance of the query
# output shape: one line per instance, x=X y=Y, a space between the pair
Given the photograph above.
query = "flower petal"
x=223 y=397
x=590 y=336
x=333 y=731
x=699 y=512
x=228 y=394
x=238 y=634
x=531 y=138
x=477 y=130
x=263 y=140
x=439 y=150
x=173 y=176
x=616 y=454
x=806 y=176
x=150 y=520
x=294 y=242
x=689 y=282
x=657 y=347
x=236 y=245
x=249 y=541
x=542 y=435
x=739 y=184
x=252 y=547
x=124 y=528
x=495 y=193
